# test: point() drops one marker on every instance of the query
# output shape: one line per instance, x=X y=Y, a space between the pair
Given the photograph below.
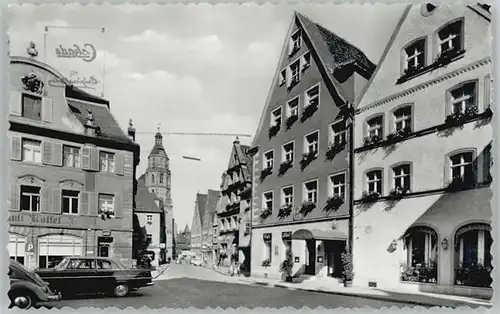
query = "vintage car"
x=90 y=275
x=27 y=289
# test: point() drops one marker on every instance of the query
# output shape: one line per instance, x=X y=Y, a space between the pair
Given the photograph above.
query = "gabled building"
x=183 y=241
x=71 y=171
x=423 y=156
x=234 y=205
x=300 y=189
x=207 y=229
x=151 y=221
x=197 y=224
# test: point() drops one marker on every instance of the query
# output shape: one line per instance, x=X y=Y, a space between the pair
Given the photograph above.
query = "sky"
x=194 y=68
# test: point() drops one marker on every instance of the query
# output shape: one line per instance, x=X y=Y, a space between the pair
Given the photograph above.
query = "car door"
x=106 y=273
x=81 y=275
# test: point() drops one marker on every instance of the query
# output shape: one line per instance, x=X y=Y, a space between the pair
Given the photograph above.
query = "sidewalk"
x=419 y=298
x=160 y=270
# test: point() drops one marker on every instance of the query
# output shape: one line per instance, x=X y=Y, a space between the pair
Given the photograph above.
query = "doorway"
x=333 y=251
x=103 y=246
x=310 y=257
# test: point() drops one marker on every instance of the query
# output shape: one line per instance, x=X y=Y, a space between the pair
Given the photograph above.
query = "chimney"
x=131 y=130
x=237 y=140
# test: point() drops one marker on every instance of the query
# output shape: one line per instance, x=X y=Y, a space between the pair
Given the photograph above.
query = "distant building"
x=207 y=228
x=71 y=171
x=183 y=241
x=197 y=223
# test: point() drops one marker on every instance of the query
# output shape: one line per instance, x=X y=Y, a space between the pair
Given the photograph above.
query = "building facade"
x=300 y=190
x=423 y=156
x=158 y=180
x=71 y=171
x=207 y=228
x=197 y=224
x=234 y=201
x=182 y=241
x=150 y=215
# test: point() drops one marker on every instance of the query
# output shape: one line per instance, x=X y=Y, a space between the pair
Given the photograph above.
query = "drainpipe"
x=351 y=177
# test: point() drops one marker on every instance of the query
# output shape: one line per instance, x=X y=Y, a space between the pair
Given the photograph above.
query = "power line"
x=197 y=133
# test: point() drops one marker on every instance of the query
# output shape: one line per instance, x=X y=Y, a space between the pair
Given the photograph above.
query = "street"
x=183 y=286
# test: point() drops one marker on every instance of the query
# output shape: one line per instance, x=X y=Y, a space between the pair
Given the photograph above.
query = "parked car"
x=90 y=275
x=27 y=289
x=196 y=262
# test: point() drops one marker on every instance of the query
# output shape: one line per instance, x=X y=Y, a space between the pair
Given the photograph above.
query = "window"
x=105 y=264
x=269 y=159
x=450 y=37
x=337 y=183
x=152 y=178
x=402 y=119
x=415 y=55
x=107 y=162
x=338 y=132
x=288 y=150
x=462 y=167
x=295 y=72
x=71 y=156
x=295 y=42
x=463 y=98
x=311 y=191
x=32 y=107
x=374 y=181
x=268 y=201
x=306 y=61
x=420 y=248
x=106 y=204
x=161 y=178
x=70 y=200
x=312 y=96
x=375 y=127
x=402 y=177
x=32 y=151
x=311 y=143
x=149 y=219
x=282 y=77
x=81 y=264
x=268 y=250
x=293 y=107
x=149 y=238
x=30 y=198
x=276 y=118
x=287 y=196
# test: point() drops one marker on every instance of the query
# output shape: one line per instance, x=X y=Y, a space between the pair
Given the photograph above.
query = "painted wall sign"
x=86 y=52
x=40 y=219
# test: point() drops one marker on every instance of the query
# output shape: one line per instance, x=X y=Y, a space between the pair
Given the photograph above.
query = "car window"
x=103 y=264
x=81 y=264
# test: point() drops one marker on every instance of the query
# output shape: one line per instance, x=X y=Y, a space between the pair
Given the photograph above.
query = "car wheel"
x=121 y=290
x=23 y=300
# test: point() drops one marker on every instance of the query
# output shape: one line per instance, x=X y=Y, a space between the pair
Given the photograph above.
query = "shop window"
x=107 y=162
x=71 y=156
x=52 y=249
x=420 y=248
x=16 y=247
x=32 y=151
x=32 y=107
x=70 y=201
x=473 y=255
x=30 y=198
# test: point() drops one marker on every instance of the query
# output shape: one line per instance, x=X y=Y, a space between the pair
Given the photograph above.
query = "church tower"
x=158 y=179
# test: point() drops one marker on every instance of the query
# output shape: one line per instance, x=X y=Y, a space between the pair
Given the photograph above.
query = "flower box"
x=446 y=56
x=474 y=275
x=425 y=273
x=370 y=197
x=284 y=166
x=308 y=158
x=397 y=193
x=460 y=184
x=371 y=140
x=274 y=130
x=266 y=263
x=399 y=135
x=334 y=202
x=307 y=207
x=459 y=118
x=265 y=213
x=334 y=149
x=290 y=121
x=285 y=211
x=308 y=111
x=265 y=172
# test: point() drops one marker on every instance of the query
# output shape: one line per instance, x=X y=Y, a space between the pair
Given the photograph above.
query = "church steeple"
x=159 y=138
x=158 y=149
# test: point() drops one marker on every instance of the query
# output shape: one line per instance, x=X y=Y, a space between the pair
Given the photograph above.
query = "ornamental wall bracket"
x=32 y=83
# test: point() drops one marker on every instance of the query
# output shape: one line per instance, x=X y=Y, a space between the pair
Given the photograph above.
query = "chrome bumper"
x=55 y=297
x=150 y=284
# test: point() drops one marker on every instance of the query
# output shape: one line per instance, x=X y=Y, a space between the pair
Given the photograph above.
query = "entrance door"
x=103 y=246
x=311 y=257
x=334 y=250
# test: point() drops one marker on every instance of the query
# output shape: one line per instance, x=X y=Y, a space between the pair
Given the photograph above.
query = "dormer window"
x=450 y=38
x=295 y=42
x=415 y=56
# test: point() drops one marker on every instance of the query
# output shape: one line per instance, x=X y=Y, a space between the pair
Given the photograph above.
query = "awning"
x=315 y=234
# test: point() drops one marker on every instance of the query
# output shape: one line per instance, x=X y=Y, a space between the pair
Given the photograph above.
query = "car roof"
x=95 y=257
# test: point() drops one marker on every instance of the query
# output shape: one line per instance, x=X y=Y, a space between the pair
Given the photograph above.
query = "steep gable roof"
x=145 y=200
x=201 y=202
x=242 y=157
x=210 y=207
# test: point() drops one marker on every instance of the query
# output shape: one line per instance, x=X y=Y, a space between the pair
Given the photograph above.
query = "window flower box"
x=372 y=139
x=265 y=213
x=459 y=118
x=335 y=148
x=291 y=120
x=284 y=166
x=294 y=81
x=253 y=150
x=399 y=135
x=308 y=111
x=266 y=263
x=460 y=184
x=370 y=197
x=308 y=158
x=274 y=130
x=447 y=56
x=474 y=275
x=334 y=202
x=409 y=73
x=265 y=172
x=307 y=207
x=285 y=211
x=425 y=273
x=397 y=194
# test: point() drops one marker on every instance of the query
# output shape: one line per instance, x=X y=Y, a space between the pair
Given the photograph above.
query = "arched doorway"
x=17 y=247
x=420 y=255
x=472 y=255
x=53 y=248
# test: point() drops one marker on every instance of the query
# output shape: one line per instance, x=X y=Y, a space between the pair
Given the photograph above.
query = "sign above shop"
x=41 y=219
x=267 y=236
x=287 y=235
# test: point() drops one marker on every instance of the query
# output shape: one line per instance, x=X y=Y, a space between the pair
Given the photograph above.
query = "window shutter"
x=45 y=201
x=16 y=107
x=16 y=148
x=47 y=109
x=118 y=204
x=487 y=92
x=94 y=159
x=57 y=154
x=93 y=204
x=119 y=163
x=15 y=197
x=47 y=152
x=487 y=163
x=84 y=203
x=56 y=201
x=288 y=77
x=86 y=158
